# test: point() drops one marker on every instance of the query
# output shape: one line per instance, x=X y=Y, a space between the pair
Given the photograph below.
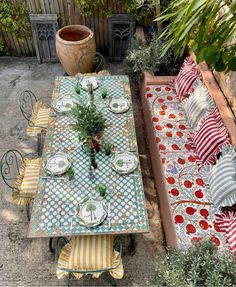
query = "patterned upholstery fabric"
x=84 y=254
x=211 y=137
x=186 y=78
x=227 y=223
x=27 y=181
x=222 y=178
x=198 y=105
x=40 y=117
x=190 y=200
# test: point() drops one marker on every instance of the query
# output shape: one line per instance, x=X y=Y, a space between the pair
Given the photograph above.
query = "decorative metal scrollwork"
x=10 y=167
x=27 y=101
x=98 y=61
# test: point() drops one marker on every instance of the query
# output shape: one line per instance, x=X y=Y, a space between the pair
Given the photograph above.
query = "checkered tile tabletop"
x=54 y=210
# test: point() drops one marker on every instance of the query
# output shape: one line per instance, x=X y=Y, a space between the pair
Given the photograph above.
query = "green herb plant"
x=14 y=19
x=200 y=265
x=206 y=27
x=90 y=122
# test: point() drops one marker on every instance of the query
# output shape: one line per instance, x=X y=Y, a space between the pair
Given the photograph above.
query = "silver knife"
x=50 y=177
x=109 y=215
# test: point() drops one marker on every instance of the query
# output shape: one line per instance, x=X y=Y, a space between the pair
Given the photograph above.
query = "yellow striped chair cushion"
x=40 y=116
x=90 y=253
x=27 y=180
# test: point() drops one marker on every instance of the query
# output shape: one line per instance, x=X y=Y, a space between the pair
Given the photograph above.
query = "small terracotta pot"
x=71 y=43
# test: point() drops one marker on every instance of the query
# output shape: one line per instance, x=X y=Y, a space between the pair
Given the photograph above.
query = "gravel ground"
x=28 y=262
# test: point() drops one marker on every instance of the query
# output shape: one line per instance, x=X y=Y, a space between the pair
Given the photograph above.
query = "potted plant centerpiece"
x=90 y=125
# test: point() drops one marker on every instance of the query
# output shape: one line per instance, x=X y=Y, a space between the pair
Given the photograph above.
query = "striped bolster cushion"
x=91 y=252
x=198 y=105
x=31 y=176
x=222 y=178
x=211 y=137
x=227 y=223
x=184 y=82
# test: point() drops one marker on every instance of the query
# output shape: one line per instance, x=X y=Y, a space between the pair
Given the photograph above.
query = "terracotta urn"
x=71 y=43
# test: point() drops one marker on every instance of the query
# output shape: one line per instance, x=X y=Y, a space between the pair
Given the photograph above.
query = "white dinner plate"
x=64 y=104
x=124 y=163
x=89 y=80
x=91 y=212
x=57 y=163
x=119 y=105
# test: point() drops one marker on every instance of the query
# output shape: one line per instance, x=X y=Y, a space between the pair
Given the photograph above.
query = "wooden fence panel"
x=68 y=14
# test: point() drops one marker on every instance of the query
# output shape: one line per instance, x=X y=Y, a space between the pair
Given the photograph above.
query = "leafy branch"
x=14 y=18
x=206 y=27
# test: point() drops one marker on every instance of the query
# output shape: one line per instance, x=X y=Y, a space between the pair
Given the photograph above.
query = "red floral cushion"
x=184 y=81
x=208 y=141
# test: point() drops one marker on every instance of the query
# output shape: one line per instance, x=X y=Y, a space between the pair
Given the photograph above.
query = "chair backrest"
x=95 y=59
x=10 y=167
x=27 y=100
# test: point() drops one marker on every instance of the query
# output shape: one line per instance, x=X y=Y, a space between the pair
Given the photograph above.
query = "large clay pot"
x=71 y=43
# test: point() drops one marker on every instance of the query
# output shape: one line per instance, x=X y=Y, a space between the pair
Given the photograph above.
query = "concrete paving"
x=28 y=262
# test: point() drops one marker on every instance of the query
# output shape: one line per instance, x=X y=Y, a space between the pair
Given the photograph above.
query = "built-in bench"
x=186 y=205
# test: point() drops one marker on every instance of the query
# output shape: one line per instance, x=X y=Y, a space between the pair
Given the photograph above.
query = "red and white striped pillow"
x=185 y=79
x=208 y=141
x=227 y=223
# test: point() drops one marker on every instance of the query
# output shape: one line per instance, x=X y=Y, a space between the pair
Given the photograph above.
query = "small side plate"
x=124 y=163
x=119 y=105
x=91 y=212
x=57 y=163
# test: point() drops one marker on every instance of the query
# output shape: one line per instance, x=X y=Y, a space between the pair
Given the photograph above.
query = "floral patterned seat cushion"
x=191 y=202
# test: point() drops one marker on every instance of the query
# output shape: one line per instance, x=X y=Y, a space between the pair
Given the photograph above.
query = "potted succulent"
x=90 y=126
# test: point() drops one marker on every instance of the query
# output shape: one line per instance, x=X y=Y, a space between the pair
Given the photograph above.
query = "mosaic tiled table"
x=54 y=210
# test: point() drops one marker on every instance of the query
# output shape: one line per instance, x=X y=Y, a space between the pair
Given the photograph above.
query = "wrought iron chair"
x=37 y=115
x=20 y=174
x=93 y=62
x=72 y=264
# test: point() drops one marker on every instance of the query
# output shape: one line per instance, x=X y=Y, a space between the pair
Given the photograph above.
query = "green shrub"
x=140 y=9
x=14 y=18
x=201 y=265
x=147 y=56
